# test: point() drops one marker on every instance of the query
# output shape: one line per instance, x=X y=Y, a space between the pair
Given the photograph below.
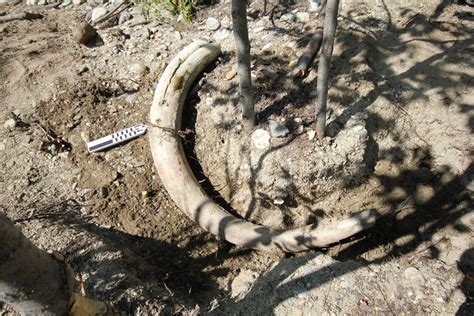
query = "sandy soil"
x=400 y=122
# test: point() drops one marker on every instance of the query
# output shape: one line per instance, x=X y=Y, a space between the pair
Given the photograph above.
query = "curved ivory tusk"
x=182 y=186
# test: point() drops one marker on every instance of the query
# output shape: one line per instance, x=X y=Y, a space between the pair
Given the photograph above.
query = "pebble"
x=314 y=5
x=261 y=138
x=230 y=74
x=302 y=16
x=10 y=124
x=65 y=3
x=311 y=134
x=77 y=2
x=98 y=13
x=138 y=69
x=124 y=17
x=290 y=17
x=103 y=192
x=222 y=34
x=212 y=24
x=278 y=130
x=411 y=273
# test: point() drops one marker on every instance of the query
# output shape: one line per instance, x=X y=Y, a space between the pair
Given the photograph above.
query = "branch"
x=20 y=16
x=313 y=46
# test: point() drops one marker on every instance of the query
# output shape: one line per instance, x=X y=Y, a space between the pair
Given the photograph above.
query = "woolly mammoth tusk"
x=182 y=186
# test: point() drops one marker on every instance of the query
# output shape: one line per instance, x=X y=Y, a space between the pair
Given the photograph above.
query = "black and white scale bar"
x=116 y=138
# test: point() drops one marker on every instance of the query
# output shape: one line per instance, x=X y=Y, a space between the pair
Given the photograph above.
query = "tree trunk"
x=330 y=23
x=242 y=46
x=32 y=281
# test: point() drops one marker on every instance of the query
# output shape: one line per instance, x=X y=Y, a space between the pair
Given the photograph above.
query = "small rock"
x=278 y=130
x=261 y=138
x=212 y=24
x=10 y=124
x=289 y=17
x=65 y=3
x=84 y=33
x=103 y=192
x=314 y=5
x=302 y=16
x=78 y=2
x=124 y=17
x=178 y=36
x=242 y=284
x=311 y=134
x=145 y=194
x=138 y=69
x=98 y=13
x=278 y=201
x=222 y=34
x=411 y=273
x=230 y=74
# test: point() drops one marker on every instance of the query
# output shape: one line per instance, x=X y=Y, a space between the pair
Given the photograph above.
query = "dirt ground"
x=400 y=124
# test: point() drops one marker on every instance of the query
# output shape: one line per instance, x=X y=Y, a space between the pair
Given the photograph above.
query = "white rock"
x=278 y=130
x=65 y=3
x=290 y=17
x=212 y=24
x=314 y=5
x=98 y=13
x=78 y=2
x=10 y=124
x=222 y=34
x=261 y=139
x=242 y=284
x=302 y=16
x=311 y=134
x=139 y=69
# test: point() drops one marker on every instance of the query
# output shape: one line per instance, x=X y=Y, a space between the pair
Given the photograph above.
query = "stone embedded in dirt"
x=289 y=17
x=78 y=2
x=98 y=13
x=230 y=74
x=124 y=17
x=65 y=3
x=84 y=33
x=311 y=134
x=302 y=16
x=242 y=284
x=212 y=24
x=138 y=69
x=261 y=139
x=278 y=130
x=222 y=34
x=313 y=5
x=10 y=124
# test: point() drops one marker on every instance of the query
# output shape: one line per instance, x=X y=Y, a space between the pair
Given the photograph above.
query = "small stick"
x=20 y=16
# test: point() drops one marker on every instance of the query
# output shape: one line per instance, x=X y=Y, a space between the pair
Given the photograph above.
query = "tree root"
x=181 y=184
